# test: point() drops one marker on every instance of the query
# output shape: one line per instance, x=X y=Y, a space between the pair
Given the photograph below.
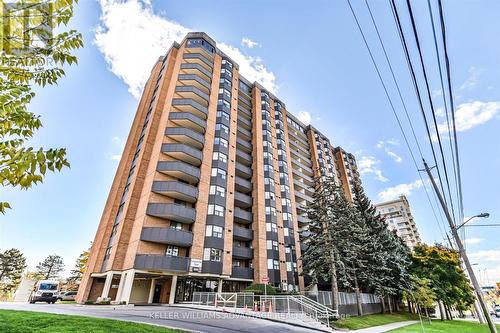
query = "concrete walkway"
x=386 y=328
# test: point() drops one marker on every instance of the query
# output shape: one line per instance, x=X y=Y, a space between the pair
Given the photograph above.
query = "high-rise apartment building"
x=347 y=171
x=398 y=216
x=212 y=187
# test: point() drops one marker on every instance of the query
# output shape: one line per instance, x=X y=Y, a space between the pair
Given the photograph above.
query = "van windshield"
x=48 y=286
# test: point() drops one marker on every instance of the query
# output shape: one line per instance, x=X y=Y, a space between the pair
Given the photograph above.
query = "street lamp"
x=482 y=215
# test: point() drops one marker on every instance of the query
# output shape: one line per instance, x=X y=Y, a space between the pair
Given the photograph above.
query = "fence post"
x=288 y=303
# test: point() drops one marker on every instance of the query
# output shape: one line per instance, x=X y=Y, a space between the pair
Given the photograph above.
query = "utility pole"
x=462 y=253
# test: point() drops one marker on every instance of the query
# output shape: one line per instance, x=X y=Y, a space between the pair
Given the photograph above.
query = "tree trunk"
x=382 y=303
x=358 y=296
x=446 y=311
x=441 y=313
x=409 y=305
x=335 y=288
x=389 y=302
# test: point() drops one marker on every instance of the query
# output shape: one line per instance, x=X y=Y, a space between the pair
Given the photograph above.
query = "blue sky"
x=313 y=57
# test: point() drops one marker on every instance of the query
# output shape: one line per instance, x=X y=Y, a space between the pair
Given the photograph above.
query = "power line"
x=431 y=103
x=408 y=118
x=452 y=106
x=415 y=85
x=446 y=109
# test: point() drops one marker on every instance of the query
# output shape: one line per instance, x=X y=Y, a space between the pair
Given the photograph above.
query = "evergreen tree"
x=80 y=266
x=12 y=265
x=50 y=267
x=332 y=246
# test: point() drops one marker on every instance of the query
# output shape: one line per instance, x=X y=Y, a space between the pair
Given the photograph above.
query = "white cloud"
x=486 y=255
x=247 y=42
x=472 y=114
x=304 y=117
x=386 y=146
x=473 y=78
x=369 y=165
x=473 y=241
x=391 y=193
x=132 y=37
x=252 y=68
x=115 y=157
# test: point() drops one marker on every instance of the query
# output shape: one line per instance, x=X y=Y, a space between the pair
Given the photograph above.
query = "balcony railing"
x=242 y=273
x=171 y=236
x=188 y=120
x=242 y=200
x=159 y=262
x=183 y=152
x=241 y=252
x=242 y=233
x=176 y=189
x=194 y=93
x=190 y=105
x=179 y=170
x=242 y=216
x=186 y=135
x=171 y=211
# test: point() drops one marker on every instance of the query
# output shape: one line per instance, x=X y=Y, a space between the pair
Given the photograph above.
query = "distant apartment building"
x=397 y=214
x=212 y=188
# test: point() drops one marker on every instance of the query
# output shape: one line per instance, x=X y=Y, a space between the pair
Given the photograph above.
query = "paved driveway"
x=175 y=317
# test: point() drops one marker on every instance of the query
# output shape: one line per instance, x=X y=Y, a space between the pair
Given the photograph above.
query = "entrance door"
x=157 y=293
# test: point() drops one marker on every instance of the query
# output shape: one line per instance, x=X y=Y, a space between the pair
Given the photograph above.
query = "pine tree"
x=50 y=267
x=332 y=238
x=12 y=265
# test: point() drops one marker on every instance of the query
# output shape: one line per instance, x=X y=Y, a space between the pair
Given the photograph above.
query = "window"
x=219 y=172
x=172 y=251
x=217 y=190
x=288 y=249
x=271 y=227
x=219 y=156
x=269 y=195
x=176 y=225
x=288 y=266
x=273 y=264
x=286 y=231
x=221 y=127
x=214 y=231
x=272 y=245
x=236 y=263
x=228 y=63
x=210 y=254
x=220 y=141
x=269 y=263
x=223 y=114
x=271 y=211
x=215 y=210
x=226 y=71
x=223 y=102
x=225 y=92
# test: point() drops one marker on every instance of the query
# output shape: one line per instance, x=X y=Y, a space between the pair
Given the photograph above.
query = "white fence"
x=325 y=298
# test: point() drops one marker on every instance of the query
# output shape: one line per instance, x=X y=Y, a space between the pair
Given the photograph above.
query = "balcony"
x=179 y=170
x=243 y=234
x=212 y=267
x=195 y=81
x=196 y=69
x=303 y=196
x=242 y=216
x=175 y=189
x=243 y=157
x=200 y=59
x=183 y=152
x=171 y=211
x=244 y=111
x=158 y=262
x=242 y=121
x=243 y=171
x=242 y=185
x=186 y=135
x=244 y=133
x=170 y=236
x=302 y=219
x=188 y=120
x=244 y=145
x=193 y=93
x=242 y=200
x=242 y=273
x=191 y=106
x=240 y=252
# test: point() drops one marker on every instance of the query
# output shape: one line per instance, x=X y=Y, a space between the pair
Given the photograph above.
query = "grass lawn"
x=27 y=321
x=356 y=323
x=454 y=326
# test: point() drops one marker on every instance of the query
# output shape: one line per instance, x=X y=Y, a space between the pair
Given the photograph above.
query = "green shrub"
x=89 y=302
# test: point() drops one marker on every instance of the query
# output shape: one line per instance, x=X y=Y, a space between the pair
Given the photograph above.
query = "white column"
x=127 y=286
x=120 y=286
x=107 y=285
x=173 y=287
x=219 y=286
x=152 y=290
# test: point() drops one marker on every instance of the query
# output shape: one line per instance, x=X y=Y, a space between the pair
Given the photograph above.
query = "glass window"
x=221 y=127
x=219 y=156
x=215 y=210
x=172 y=251
x=210 y=254
x=214 y=231
x=220 y=141
x=217 y=190
x=219 y=172
x=176 y=225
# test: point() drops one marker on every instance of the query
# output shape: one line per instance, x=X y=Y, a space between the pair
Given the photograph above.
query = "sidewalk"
x=385 y=328
x=293 y=319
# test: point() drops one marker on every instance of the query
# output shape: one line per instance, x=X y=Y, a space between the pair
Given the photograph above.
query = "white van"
x=45 y=291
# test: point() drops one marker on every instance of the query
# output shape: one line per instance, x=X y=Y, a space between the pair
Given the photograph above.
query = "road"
x=174 y=317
